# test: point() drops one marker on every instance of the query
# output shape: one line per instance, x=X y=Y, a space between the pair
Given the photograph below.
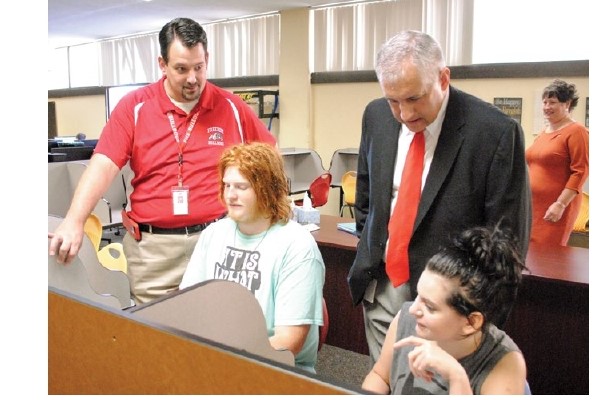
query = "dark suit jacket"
x=477 y=177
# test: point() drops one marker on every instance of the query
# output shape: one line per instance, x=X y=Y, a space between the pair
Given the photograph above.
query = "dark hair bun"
x=493 y=252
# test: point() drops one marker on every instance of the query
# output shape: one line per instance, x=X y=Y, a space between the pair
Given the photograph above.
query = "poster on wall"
x=511 y=106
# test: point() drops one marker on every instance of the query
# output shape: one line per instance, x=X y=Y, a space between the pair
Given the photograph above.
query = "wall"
x=336 y=110
x=85 y=114
x=327 y=116
x=531 y=91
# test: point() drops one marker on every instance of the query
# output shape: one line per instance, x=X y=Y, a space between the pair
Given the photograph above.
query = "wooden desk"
x=94 y=349
x=338 y=248
x=550 y=321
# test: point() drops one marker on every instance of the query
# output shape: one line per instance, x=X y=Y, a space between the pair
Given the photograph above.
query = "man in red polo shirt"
x=172 y=132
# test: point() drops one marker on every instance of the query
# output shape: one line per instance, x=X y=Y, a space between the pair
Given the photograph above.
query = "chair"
x=318 y=191
x=583 y=218
x=108 y=208
x=325 y=328
x=87 y=277
x=93 y=230
x=301 y=167
x=116 y=262
x=349 y=191
x=342 y=160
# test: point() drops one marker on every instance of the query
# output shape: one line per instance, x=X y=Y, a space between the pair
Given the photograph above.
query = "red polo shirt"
x=139 y=129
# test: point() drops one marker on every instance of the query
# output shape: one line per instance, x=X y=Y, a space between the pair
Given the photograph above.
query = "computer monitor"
x=115 y=93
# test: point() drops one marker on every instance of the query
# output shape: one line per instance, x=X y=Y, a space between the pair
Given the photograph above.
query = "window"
x=58 y=68
x=532 y=30
x=243 y=47
x=348 y=37
x=114 y=94
x=83 y=65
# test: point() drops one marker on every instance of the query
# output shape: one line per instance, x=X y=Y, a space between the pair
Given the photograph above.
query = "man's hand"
x=65 y=242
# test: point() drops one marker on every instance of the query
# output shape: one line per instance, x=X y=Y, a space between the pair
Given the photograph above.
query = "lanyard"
x=181 y=144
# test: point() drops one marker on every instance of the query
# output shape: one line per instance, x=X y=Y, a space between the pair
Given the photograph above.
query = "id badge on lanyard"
x=180 y=194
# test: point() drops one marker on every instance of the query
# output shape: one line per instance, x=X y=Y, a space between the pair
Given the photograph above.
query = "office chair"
x=349 y=191
x=318 y=191
x=116 y=262
x=325 y=328
x=93 y=230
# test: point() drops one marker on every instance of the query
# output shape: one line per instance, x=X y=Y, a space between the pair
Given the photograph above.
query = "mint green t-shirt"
x=283 y=269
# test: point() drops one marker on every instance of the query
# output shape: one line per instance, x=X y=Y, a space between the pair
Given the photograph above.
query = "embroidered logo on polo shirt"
x=215 y=136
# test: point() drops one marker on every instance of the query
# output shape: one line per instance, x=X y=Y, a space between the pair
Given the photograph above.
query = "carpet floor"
x=342 y=366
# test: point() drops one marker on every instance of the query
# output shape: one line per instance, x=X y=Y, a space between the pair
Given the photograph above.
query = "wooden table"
x=338 y=248
x=550 y=322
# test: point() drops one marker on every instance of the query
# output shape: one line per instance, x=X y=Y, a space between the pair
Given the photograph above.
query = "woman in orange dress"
x=558 y=163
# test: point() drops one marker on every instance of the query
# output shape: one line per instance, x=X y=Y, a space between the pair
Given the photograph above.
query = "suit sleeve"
x=508 y=196
x=361 y=202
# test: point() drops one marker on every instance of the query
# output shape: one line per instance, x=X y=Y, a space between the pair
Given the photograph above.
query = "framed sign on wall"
x=511 y=106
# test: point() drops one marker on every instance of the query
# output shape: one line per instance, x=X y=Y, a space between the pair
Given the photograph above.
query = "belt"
x=184 y=230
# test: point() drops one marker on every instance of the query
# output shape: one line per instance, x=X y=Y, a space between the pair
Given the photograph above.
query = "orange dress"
x=556 y=161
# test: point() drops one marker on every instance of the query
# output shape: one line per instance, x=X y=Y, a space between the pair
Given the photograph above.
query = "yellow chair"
x=93 y=230
x=112 y=257
x=349 y=190
x=583 y=218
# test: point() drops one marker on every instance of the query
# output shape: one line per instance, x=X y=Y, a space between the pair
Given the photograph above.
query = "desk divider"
x=217 y=310
x=96 y=350
x=86 y=277
x=63 y=178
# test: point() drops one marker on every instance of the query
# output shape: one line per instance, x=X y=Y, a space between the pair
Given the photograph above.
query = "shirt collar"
x=435 y=127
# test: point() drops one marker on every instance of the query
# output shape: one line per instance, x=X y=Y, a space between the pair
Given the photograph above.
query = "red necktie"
x=405 y=211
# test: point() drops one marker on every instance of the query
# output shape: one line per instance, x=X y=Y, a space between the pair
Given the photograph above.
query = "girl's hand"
x=427 y=357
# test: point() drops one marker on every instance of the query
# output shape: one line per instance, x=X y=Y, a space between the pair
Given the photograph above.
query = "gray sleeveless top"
x=494 y=345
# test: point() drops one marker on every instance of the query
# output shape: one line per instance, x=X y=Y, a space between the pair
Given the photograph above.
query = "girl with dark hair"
x=446 y=341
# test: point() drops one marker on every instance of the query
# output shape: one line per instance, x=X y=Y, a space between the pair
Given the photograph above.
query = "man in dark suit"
x=474 y=173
